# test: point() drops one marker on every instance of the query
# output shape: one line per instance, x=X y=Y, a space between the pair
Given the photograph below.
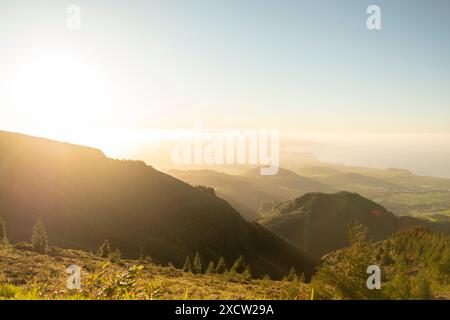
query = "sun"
x=60 y=94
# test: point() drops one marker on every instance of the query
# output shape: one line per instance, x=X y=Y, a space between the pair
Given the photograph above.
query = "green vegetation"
x=415 y=264
x=26 y=275
x=418 y=267
x=343 y=276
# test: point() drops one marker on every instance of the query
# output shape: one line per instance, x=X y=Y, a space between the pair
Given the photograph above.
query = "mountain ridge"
x=83 y=197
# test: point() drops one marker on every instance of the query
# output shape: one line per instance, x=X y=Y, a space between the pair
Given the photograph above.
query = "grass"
x=26 y=275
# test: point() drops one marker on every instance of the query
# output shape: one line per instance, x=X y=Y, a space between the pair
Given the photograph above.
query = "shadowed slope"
x=83 y=198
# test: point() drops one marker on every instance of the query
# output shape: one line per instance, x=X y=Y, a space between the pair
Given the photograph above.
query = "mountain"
x=398 y=190
x=250 y=191
x=83 y=197
x=317 y=222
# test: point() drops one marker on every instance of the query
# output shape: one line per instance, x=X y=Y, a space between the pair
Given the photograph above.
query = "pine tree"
x=197 y=264
x=221 y=267
x=187 y=265
x=39 y=238
x=105 y=249
x=239 y=265
x=344 y=276
x=292 y=275
x=3 y=237
x=248 y=272
x=211 y=268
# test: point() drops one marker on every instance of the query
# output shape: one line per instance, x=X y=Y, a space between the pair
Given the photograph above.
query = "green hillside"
x=317 y=222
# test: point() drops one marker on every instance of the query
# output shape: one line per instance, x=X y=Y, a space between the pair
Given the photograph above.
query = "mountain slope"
x=83 y=198
x=251 y=189
x=317 y=222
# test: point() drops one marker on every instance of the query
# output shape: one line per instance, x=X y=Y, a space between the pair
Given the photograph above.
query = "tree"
x=343 y=274
x=197 y=264
x=211 y=268
x=39 y=238
x=187 y=265
x=221 y=267
x=3 y=237
x=292 y=275
x=248 y=272
x=105 y=250
x=239 y=265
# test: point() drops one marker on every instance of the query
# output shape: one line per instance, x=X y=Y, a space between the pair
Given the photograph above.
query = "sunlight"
x=60 y=94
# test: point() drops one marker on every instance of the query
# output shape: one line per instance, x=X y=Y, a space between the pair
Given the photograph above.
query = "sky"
x=304 y=67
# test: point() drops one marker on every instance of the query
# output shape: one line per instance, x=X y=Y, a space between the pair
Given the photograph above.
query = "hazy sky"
x=308 y=66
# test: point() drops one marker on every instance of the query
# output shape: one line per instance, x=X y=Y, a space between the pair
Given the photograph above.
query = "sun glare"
x=60 y=94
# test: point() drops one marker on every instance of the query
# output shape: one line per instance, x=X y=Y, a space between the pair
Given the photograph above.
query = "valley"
x=214 y=236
